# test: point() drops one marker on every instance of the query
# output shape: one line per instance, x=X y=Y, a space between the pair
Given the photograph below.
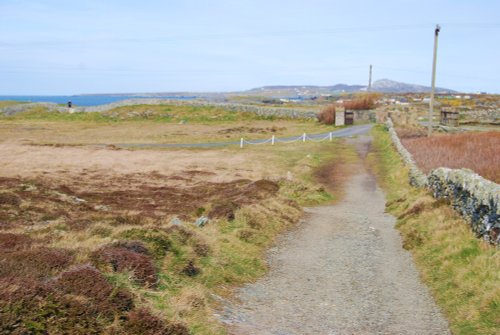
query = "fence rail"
x=302 y=138
x=345 y=132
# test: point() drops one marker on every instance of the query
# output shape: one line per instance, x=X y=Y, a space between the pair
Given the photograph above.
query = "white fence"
x=302 y=138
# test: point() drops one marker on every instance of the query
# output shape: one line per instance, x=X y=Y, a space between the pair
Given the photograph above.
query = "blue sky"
x=71 y=47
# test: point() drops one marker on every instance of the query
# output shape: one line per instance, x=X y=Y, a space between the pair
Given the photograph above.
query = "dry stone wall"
x=292 y=113
x=417 y=177
x=474 y=197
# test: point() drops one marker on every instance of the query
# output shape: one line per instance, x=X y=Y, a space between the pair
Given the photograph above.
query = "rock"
x=102 y=208
x=201 y=221
x=176 y=221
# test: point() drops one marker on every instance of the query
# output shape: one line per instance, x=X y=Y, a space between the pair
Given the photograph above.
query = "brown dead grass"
x=87 y=133
x=479 y=152
x=360 y=103
x=327 y=115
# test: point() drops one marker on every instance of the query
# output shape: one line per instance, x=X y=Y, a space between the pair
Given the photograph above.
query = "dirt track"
x=343 y=271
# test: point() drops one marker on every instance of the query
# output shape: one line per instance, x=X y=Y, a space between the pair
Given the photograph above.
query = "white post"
x=330 y=136
x=241 y=143
x=304 y=137
x=272 y=140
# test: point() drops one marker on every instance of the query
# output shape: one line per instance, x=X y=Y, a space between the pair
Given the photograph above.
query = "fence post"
x=272 y=140
x=241 y=143
x=330 y=136
x=304 y=137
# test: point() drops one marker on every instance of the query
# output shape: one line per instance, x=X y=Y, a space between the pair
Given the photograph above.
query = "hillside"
x=382 y=85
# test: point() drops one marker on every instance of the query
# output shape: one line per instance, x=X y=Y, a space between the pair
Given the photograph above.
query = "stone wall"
x=364 y=115
x=14 y=109
x=417 y=177
x=293 y=113
x=491 y=115
x=474 y=197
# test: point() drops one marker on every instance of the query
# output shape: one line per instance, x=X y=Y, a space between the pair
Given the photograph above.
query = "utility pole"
x=433 y=89
x=370 y=80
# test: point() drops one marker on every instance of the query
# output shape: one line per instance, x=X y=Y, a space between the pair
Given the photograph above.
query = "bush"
x=38 y=263
x=224 y=210
x=135 y=246
x=28 y=306
x=361 y=103
x=141 y=321
x=9 y=198
x=190 y=269
x=327 y=115
x=14 y=242
x=90 y=283
x=120 y=259
x=157 y=240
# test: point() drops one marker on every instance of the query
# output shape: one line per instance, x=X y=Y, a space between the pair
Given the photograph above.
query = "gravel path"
x=343 y=271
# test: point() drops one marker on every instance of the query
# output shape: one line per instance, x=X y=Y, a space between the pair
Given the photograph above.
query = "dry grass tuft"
x=479 y=152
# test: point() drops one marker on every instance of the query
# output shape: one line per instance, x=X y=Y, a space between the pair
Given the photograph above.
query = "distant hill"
x=287 y=91
x=382 y=85
x=391 y=86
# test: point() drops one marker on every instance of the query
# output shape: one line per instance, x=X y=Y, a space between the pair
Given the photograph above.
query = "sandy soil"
x=342 y=272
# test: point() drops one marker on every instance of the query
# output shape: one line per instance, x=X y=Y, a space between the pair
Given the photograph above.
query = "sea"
x=86 y=100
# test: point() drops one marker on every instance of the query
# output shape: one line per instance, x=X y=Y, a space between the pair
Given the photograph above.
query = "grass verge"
x=462 y=272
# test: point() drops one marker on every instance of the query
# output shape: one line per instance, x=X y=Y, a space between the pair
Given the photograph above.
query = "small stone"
x=176 y=221
x=201 y=221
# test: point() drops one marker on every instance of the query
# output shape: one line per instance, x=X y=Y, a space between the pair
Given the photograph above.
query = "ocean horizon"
x=86 y=100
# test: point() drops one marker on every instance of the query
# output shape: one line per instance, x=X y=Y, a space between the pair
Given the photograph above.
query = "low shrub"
x=14 y=242
x=9 y=198
x=261 y=189
x=119 y=259
x=88 y=282
x=190 y=269
x=361 y=103
x=246 y=234
x=224 y=210
x=133 y=220
x=157 y=240
x=135 y=246
x=28 y=306
x=141 y=321
x=38 y=263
